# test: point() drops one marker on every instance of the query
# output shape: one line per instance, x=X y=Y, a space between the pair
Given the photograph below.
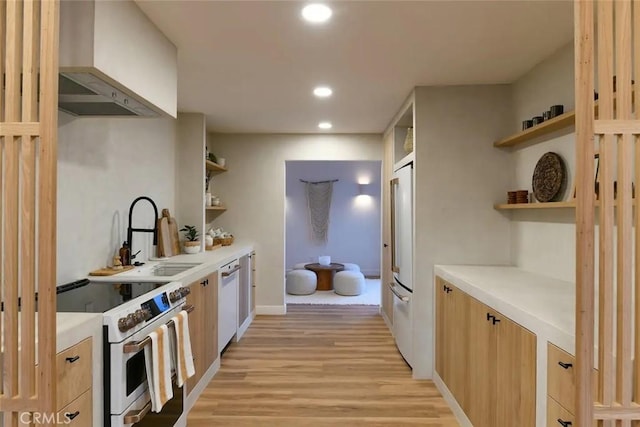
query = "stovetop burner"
x=92 y=297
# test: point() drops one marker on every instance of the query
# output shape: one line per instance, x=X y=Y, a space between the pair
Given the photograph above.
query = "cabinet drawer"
x=561 y=379
x=74 y=372
x=557 y=416
x=78 y=413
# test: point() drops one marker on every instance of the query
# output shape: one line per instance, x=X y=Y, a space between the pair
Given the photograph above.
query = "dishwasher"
x=227 y=303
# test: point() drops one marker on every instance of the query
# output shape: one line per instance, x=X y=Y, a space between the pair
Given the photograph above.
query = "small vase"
x=207 y=199
x=408 y=141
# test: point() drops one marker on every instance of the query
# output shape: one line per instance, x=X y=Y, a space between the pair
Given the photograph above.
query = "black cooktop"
x=93 y=297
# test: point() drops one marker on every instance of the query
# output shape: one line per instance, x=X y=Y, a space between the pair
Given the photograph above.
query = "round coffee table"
x=325 y=274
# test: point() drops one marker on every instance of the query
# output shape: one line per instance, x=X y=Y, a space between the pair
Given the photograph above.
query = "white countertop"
x=544 y=305
x=209 y=261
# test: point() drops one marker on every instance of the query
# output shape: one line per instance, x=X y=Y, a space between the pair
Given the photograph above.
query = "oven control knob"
x=126 y=323
x=146 y=313
x=174 y=296
x=185 y=291
x=139 y=316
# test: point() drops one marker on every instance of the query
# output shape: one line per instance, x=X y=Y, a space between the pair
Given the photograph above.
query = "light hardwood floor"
x=318 y=366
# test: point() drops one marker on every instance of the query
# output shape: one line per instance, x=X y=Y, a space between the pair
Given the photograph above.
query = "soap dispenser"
x=125 y=253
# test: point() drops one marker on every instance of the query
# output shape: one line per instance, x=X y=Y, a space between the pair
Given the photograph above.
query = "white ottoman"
x=300 y=265
x=349 y=283
x=350 y=267
x=301 y=282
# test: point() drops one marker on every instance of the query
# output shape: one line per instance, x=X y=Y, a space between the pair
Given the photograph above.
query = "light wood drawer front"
x=561 y=380
x=74 y=372
x=557 y=416
x=79 y=412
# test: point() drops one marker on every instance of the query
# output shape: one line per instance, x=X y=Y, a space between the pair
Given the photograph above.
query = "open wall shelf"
x=214 y=167
x=547 y=205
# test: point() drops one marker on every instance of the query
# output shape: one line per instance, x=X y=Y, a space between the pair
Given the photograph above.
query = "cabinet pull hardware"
x=203 y=283
x=565 y=365
x=72 y=359
x=72 y=416
x=449 y=290
x=494 y=320
x=564 y=423
x=444 y=288
x=133 y=417
x=230 y=272
x=490 y=317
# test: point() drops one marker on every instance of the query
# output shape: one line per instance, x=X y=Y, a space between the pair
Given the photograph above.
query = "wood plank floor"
x=318 y=366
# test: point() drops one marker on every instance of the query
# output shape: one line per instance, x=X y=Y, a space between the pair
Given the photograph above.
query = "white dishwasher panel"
x=227 y=303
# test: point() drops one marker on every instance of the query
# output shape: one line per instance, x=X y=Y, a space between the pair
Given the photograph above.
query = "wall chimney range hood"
x=83 y=94
x=114 y=62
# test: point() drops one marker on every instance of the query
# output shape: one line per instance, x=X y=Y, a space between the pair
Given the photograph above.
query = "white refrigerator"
x=402 y=259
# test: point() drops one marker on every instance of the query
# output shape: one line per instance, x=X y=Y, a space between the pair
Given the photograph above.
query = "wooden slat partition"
x=617 y=131
x=28 y=132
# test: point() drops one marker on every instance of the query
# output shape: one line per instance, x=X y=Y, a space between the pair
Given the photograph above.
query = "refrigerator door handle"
x=393 y=183
x=397 y=294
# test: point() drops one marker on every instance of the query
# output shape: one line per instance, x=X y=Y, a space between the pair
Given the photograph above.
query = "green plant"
x=190 y=233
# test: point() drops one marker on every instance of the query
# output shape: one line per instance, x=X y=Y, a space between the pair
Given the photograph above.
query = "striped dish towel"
x=181 y=349
x=158 y=363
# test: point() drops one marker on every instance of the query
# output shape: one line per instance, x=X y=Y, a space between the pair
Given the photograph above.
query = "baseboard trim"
x=271 y=310
x=198 y=389
x=453 y=403
x=386 y=320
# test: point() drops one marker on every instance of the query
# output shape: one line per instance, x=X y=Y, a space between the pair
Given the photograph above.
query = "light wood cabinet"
x=78 y=413
x=557 y=416
x=202 y=326
x=487 y=361
x=74 y=370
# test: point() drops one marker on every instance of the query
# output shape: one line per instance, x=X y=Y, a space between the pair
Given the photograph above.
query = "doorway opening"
x=333 y=224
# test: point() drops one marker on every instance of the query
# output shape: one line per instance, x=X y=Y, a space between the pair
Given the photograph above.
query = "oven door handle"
x=133 y=417
x=397 y=294
x=136 y=346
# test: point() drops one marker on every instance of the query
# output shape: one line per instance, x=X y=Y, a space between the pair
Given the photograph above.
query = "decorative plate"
x=549 y=177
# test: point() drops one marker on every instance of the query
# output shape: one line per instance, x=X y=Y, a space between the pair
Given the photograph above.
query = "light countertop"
x=209 y=261
x=544 y=305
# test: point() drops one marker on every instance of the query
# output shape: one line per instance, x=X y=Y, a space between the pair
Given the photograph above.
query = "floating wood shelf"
x=216 y=208
x=547 y=205
x=557 y=123
x=562 y=121
x=214 y=167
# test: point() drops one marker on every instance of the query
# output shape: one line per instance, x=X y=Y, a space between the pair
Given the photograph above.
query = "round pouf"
x=350 y=267
x=301 y=282
x=300 y=266
x=349 y=283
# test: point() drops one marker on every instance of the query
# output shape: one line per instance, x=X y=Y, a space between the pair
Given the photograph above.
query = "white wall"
x=254 y=192
x=459 y=175
x=354 y=227
x=544 y=241
x=103 y=165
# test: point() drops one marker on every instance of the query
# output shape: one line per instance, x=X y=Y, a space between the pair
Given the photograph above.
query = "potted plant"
x=191 y=242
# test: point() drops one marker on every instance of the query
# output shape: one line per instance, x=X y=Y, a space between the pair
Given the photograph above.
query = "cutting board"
x=110 y=271
x=164 y=238
x=173 y=232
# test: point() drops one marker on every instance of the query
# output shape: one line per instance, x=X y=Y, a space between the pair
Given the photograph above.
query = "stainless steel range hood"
x=114 y=61
x=83 y=94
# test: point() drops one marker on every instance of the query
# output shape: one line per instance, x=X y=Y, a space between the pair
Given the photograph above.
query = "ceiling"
x=251 y=66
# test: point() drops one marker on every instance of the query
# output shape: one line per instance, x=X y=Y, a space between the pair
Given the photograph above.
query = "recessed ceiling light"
x=325 y=125
x=316 y=13
x=322 y=91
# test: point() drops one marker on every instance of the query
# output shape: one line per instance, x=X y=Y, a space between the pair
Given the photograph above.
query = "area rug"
x=370 y=297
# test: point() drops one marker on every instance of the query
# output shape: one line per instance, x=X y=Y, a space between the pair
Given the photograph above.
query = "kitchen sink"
x=168 y=269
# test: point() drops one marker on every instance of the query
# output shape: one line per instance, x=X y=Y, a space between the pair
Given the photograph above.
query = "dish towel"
x=158 y=362
x=181 y=349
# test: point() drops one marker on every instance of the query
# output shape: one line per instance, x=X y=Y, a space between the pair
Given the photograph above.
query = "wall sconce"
x=364 y=189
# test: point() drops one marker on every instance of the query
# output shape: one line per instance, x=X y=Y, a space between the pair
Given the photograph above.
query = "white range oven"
x=132 y=312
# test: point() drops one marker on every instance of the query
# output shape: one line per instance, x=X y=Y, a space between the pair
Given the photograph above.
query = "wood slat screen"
x=607 y=45
x=28 y=136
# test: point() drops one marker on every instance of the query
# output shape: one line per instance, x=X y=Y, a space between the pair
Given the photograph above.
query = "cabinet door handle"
x=72 y=416
x=564 y=423
x=565 y=365
x=490 y=317
x=449 y=289
x=495 y=320
x=203 y=283
x=72 y=359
